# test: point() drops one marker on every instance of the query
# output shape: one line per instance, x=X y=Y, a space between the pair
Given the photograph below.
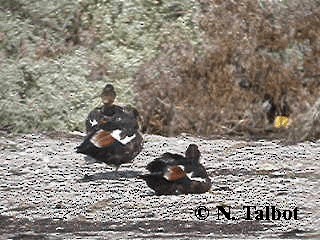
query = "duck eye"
x=118 y=118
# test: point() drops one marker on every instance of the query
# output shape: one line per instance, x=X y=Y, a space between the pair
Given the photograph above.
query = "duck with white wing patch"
x=173 y=174
x=115 y=140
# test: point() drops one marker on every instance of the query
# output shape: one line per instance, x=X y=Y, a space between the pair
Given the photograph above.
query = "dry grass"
x=250 y=50
x=307 y=125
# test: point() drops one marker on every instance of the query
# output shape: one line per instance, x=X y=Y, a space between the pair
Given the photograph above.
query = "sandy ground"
x=47 y=191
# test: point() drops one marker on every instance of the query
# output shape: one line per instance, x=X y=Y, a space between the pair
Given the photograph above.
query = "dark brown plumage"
x=173 y=174
x=114 y=138
x=108 y=109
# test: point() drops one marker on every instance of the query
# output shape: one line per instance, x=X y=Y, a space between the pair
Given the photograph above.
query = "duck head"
x=193 y=153
x=108 y=95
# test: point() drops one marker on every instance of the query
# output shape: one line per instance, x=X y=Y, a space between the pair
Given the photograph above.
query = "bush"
x=56 y=56
x=307 y=125
x=250 y=51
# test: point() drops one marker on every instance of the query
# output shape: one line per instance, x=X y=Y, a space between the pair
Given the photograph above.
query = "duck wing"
x=161 y=163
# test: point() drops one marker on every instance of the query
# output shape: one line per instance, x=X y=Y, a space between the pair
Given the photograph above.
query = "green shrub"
x=56 y=56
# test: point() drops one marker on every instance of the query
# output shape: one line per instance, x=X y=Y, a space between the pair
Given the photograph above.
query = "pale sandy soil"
x=47 y=191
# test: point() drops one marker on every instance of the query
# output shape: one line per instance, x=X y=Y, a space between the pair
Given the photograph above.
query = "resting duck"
x=114 y=140
x=108 y=96
x=173 y=174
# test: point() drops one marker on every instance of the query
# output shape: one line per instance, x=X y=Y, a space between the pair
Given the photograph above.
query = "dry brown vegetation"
x=251 y=51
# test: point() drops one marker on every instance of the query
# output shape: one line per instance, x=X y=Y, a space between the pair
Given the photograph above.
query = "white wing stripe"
x=182 y=167
x=93 y=122
x=199 y=179
x=116 y=135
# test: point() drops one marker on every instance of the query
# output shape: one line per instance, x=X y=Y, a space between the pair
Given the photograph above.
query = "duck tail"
x=150 y=175
x=82 y=148
x=78 y=149
x=143 y=176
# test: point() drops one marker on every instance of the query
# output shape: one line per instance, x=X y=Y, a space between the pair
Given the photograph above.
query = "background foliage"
x=251 y=52
x=56 y=56
x=199 y=66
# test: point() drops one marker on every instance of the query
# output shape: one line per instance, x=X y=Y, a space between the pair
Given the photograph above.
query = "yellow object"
x=282 y=122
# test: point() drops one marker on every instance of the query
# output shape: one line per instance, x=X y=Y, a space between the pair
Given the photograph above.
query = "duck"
x=174 y=174
x=108 y=96
x=115 y=140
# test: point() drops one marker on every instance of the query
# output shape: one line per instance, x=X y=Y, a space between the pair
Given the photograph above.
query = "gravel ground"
x=47 y=191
